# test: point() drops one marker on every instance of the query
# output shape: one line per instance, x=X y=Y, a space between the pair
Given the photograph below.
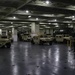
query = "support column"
x=47 y=31
x=34 y=29
x=14 y=34
x=0 y=31
x=51 y=32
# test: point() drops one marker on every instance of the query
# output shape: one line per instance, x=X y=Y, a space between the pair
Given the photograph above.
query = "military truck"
x=62 y=38
x=5 y=42
x=26 y=37
x=42 y=39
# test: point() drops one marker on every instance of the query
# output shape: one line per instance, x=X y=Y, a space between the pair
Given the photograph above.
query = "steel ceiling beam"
x=24 y=3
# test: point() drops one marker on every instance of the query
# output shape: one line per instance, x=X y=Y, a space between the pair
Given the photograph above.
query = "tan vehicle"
x=5 y=41
x=25 y=37
x=42 y=39
x=62 y=38
x=59 y=38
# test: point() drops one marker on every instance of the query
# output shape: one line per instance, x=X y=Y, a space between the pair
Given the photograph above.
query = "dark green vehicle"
x=5 y=42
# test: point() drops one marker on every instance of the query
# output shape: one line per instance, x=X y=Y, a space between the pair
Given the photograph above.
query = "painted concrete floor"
x=26 y=59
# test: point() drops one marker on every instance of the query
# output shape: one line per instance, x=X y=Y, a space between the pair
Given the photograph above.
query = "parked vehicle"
x=5 y=42
x=42 y=39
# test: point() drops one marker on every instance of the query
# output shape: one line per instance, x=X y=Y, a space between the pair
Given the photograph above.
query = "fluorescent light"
x=73 y=19
x=56 y=26
x=0 y=31
x=41 y=28
x=37 y=19
x=48 y=27
x=47 y=2
x=27 y=11
x=72 y=16
x=49 y=23
x=24 y=26
x=68 y=24
x=71 y=26
x=55 y=20
x=61 y=30
x=29 y=16
x=11 y=26
x=44 y=25
x=11 y=22
x=14 y=17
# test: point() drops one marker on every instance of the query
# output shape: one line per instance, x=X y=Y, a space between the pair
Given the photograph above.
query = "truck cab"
x=5 y=41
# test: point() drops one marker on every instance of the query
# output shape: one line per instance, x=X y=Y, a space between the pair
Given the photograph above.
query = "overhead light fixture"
x=37 y=19
x=56 y=26
x=47 y=2
x=49 y=23
x=61 y=30
x=2 y=26
x=73 y=16
x=48 y=27
x=44 y=25
x=41 y=28
x=24 y=26
x=11 y=22
x=27 y=11
x=14 y=17
x=55 y=20
x=11 y=26
x=73 y=19
x=68 y=24
x=71 y=26
x=0 y=31
x=29 y=16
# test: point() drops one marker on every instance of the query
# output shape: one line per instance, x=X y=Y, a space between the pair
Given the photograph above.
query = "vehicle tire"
x=65 y=41
x=41 y=42
x=8 y=45
x=3 y=46
x=54 y=41
x=11 y=41
x=32 y=42
x=50 y=42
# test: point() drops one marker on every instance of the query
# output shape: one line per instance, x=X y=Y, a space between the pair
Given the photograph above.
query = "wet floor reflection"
x=71 y=61
x=26 y=59
x=13 y=61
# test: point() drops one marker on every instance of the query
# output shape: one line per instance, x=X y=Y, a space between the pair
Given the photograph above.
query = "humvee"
x=42 y=39
x=5 y=42
x=26 y=37
x=62 y=38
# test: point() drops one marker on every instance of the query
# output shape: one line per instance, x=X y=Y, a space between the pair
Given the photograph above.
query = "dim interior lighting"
x=24 y=26
x=44 y=25
x=71 y=26
x=29 y=16
x=0 y=31
x=48 y=27
x=72 y=16
x=37 y=19
x=49 y=23
x=27 y=11
x=41 y=28
x=14 y=17
x=11 y=22
x=73 y=19
x=47 y=2
x=61 y=30
x=55 y=20
x=2 y=26
x=11 y=26
x=56 y=26
x=68 y=24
